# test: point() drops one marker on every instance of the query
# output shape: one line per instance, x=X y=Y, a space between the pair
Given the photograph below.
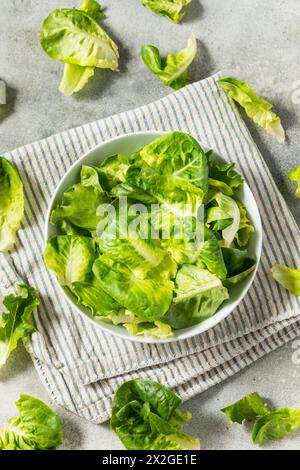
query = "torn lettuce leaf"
x=198 y=295
x=79 y=206
x=74 y=37
x=246 y=409
x=36 y=427
x=17 y=322
x=211 y=255
x=275 y=425
x=11 y=204
x=76 y=77
x=171 y=9
x=70 y=257
x=229 y=206
x=238 y=264
x=294 y=175
x=113 y=171
x=245 y=228
x=173 y=71
x=145 y=415
x=256 y=108
x=223 y=175
x=179 y=155
x=289 y=278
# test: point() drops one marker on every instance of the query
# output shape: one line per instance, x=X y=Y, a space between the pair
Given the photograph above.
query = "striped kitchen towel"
x=81 y=366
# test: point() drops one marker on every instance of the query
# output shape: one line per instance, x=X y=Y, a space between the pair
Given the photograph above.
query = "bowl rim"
x=184 y=333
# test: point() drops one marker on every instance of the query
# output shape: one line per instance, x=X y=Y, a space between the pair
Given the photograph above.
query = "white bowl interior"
x=126 y=145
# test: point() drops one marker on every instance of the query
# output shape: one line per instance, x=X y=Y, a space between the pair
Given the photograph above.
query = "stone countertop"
x=257 y=41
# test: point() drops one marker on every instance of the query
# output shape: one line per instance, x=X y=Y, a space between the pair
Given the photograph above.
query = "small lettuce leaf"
x=198 y=295
x=171 y=9
x=246 y=409
x=173 y=71
x=145 y=415
x=76 y=77
x=223 y=175
x=90 y=294
x=113 y=171
x=70 y=257
x=211 y=255
x=294 y=175
x=289 y=278
x=11 y=204
x=79 y=206
x=238 y=264
x=36 y=427
x=275 y=425
x=229 y=206
x=178 y=154
x=256 y=108
x=74 y=37
x=144 y=291
x=126 y=190
x=245 y=228
x=17 y=321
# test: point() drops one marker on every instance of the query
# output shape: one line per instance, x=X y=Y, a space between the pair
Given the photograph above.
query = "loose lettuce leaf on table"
x=289 y=278
x=74 y=37
x=256 y=108
x=171 y=9
x=294 y=175
x=17 y=322
x=36 y=427
x=145 y=415
x=75 y=77
x=70 y=257
x=179 y=155
x=172 y=71
x=11 y=204
x=275 y=425
x=246 y=409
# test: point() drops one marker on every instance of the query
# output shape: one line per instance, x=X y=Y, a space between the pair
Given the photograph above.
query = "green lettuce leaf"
x=229 y=206
x=145 y=415
x=70 y=257
x=198 y=295
x=275 y=425
x=74 y=37
x=223 y=175
x=246 y=409
x=289 y=278
x=36 y=427
x=90 y=294
x=294 y=175
x=131 y=192
x=238 y=264
x=171 y=9
x=11 y=204
x=178 y=154
x=256 y=108
x=147 y=293
x=17 y=321
x=113 y=171
x=211 y=255
x=76 y=77
x=79 y=206
x=173 y=71
x=245 y=228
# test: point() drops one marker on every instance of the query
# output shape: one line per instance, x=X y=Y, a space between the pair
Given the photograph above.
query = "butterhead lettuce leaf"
x=246 y=409
x=11 y=204
x=172 y=71
x=17 y=322
x=171 y=9
x=35 y=427
x=258 y=109
x=70 y=257
x=289 y=278
x=294 y=175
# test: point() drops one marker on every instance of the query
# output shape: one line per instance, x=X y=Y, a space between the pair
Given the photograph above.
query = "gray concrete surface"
x=255 y=40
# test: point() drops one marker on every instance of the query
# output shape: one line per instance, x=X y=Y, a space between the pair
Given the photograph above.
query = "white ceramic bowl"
x=127 y=144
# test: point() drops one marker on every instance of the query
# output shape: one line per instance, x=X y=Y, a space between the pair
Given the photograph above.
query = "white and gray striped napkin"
x=80 y=366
